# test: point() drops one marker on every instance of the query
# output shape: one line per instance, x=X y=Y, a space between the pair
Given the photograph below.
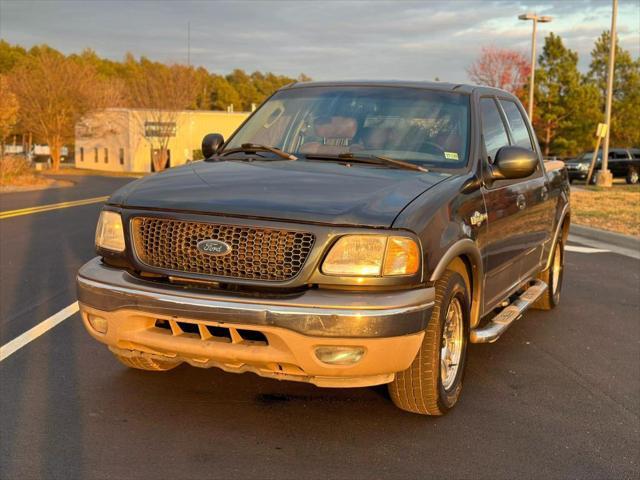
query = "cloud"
x=324 y=39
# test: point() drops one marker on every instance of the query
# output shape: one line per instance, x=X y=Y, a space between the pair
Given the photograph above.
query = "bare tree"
x=500 y=68
x=162 y=91
x=8 y=112
x=54 y=92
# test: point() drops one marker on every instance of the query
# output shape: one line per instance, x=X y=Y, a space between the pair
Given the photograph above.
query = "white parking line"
x=33 y=333
x=575 y=248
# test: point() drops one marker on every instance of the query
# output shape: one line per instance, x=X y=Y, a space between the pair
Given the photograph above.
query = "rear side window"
x=517 y=124
x=493 y=130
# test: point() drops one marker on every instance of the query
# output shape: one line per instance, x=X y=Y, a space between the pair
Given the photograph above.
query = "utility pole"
x=536 y=19
x=605 y=179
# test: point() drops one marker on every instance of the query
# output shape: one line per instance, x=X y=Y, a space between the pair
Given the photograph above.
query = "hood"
x=312 y=191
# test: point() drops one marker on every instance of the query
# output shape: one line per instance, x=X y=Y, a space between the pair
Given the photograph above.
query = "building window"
x=106 y=155
x=82 y=154
x=122 y=156
x=95 y=155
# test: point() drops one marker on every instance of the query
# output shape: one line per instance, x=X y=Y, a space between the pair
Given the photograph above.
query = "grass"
x=16 y=172
x=616 y=209
x=70 y=170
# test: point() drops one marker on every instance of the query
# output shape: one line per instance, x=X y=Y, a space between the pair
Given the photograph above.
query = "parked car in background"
x=623 y=163
x=347 y=235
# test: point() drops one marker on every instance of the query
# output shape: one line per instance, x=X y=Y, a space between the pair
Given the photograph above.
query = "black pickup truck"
x=347 y=234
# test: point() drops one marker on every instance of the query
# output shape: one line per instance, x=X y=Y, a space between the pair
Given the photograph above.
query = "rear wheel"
x=632 y=176
x=146 y=363
x=553 y=278
x=433 y=382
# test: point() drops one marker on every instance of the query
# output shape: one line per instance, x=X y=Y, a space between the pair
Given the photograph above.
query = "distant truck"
x=346 y=235
x=42 y=153
x=623 y=163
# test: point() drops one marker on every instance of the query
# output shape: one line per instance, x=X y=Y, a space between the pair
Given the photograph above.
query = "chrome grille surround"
x=257 y=253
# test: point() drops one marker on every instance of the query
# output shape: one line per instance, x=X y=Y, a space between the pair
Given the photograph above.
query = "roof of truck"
x=443 y=86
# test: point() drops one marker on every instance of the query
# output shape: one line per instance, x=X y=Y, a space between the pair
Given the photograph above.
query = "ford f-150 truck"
x=348 y=234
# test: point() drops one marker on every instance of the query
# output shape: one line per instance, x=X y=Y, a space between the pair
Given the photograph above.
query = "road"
x=558 y=396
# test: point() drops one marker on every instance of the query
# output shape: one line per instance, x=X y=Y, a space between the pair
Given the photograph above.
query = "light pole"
x=536 y=19
x=604 y=177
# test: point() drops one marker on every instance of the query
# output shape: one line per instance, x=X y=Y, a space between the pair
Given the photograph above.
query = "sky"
x=327 y=40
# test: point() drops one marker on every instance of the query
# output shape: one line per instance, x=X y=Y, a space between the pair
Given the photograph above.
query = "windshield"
x=424 y=127
x=589 y=156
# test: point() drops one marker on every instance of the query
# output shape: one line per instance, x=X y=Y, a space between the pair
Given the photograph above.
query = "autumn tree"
x=163 y=91
x=8 y=112
x=625 y=120
x=566 y=111
x=223 y=94
x=54 y=92
x=500 y=68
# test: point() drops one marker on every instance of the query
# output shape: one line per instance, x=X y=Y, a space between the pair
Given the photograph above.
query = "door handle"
x=521 y=201
x=544 y=193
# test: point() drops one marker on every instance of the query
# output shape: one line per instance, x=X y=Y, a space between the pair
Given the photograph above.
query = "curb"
x=612 y=238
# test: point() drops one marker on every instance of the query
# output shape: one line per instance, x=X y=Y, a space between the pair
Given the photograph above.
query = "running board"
x=499 y=324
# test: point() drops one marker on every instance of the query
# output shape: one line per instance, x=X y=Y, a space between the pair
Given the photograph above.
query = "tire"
x=420 y=388
x=633 y=176
x=553 y=278
x=594 y=178
x=147 y=363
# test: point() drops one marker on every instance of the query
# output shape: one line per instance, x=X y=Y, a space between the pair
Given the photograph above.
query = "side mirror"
x=211 y=143
x=514 y=162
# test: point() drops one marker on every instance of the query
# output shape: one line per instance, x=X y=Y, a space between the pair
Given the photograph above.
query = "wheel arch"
x=465 y=258
x=562 y=231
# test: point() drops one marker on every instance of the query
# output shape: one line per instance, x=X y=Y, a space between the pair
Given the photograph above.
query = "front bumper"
x=389 y=327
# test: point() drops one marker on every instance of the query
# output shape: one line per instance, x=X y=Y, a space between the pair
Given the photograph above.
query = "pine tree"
x=625 y=120
x=566 y=111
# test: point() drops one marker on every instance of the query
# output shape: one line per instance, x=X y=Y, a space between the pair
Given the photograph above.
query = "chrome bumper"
x=323 y=313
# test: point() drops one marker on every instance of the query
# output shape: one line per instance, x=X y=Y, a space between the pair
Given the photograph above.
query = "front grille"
x=257 y=253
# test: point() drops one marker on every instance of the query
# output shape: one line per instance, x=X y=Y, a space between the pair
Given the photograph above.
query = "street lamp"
x=536 y=19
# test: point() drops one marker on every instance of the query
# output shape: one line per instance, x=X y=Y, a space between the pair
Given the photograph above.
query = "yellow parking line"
x=53 y=206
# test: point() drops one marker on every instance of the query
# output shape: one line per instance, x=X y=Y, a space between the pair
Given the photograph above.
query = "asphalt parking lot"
x=558 y=396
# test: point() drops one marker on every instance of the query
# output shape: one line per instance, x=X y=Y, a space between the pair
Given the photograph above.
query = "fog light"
x=99 y=324
x=340 y=355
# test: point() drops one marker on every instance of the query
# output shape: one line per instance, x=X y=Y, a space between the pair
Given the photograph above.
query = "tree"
x=8 y=112
x=223 y=94
x=625 y=121
x=566 y=105
x=500 y=68
x=54 y=92
x=163 y=91
x=242 y=83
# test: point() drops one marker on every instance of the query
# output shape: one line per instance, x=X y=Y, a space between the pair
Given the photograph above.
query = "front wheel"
x=433 y=383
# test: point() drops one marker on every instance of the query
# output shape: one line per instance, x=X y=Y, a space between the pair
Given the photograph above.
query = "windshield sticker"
x=451 y=155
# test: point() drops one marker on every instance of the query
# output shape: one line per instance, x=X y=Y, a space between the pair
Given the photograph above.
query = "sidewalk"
x=616 y=242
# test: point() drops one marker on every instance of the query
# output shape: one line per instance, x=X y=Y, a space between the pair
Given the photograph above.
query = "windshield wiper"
x=254 y=147
x=372 y=159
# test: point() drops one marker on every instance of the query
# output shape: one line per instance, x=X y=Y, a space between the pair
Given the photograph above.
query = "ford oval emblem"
x=213 y=247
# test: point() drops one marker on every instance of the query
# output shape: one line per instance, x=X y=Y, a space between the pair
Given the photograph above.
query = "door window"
x=493 y=130
x=517 y=124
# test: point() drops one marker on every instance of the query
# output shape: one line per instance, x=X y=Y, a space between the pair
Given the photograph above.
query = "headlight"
x=372 y=256
x=583 y=166
x=109 y=232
